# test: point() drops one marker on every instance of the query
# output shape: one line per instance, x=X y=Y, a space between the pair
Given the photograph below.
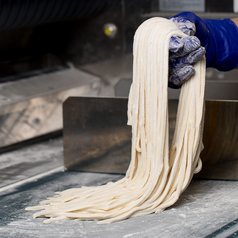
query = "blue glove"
x=183 y=53
x=218 y=37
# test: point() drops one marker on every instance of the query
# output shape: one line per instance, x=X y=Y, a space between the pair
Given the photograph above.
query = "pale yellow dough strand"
x=157 y=175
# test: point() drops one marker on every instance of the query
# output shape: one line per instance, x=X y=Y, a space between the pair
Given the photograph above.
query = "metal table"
x=206 y=209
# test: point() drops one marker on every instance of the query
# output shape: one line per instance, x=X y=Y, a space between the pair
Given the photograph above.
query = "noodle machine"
x=65 y=76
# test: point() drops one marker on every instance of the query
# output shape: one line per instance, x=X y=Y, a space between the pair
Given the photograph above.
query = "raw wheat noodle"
x=157 y=175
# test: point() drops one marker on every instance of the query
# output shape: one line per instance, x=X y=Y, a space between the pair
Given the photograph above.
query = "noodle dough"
x=156 y=176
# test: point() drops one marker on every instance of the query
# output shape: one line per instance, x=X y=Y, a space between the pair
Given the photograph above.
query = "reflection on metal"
x=33 y=107
x=220 y=154
x=97 y=139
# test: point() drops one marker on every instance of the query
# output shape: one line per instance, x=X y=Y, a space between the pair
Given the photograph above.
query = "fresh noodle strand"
x=157 y=174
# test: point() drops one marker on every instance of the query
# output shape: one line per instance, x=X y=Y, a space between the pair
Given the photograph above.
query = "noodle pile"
x=156 y=176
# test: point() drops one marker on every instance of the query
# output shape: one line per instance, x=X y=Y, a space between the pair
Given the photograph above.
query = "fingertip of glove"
x=186 y=72
x=181 y=76
x=190 y=43
x=196 y=55
x=175 y=44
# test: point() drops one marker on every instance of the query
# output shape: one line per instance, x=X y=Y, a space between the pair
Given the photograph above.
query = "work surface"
x=206 y=208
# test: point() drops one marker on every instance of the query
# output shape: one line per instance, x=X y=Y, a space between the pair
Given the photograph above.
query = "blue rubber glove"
x=218 y=37
x=183 y=53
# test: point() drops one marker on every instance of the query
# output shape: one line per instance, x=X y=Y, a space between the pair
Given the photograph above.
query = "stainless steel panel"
x=97 y=139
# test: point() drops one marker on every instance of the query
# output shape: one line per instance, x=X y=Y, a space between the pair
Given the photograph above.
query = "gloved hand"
x=218 y=37
x=183 y=54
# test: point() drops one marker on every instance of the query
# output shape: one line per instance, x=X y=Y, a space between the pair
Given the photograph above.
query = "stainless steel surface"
x=206 y=208
x=97 y=139
x=33 y=107
x=111 y=72
x=32 y=160
x=220 y=153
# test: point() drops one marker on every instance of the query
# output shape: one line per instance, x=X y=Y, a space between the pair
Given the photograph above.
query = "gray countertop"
x=31 y=160
x=206 y=208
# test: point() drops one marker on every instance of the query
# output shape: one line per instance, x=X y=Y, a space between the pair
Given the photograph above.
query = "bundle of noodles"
x=156 y=176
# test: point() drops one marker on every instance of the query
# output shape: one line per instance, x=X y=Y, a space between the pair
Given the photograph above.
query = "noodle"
x=156 y=176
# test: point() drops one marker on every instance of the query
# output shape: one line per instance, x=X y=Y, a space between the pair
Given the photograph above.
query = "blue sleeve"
x=222 y=52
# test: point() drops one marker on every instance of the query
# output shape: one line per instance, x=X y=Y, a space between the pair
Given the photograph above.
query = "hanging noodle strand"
x=157 y=174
